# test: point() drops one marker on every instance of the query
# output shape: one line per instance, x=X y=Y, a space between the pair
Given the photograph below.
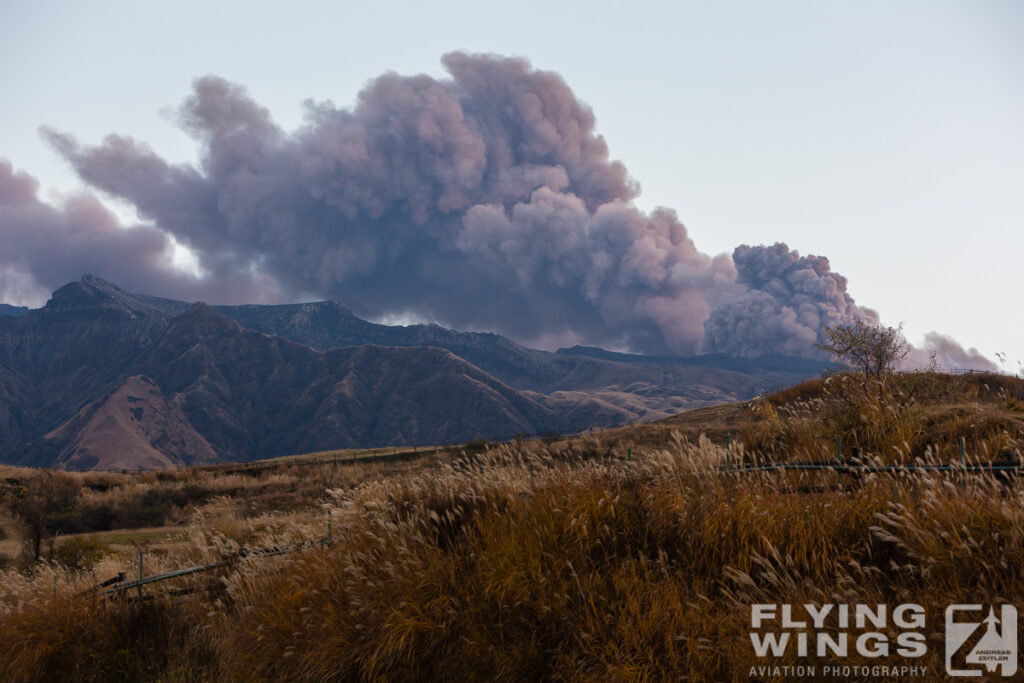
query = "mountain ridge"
x=101 y=377
x=9 y=311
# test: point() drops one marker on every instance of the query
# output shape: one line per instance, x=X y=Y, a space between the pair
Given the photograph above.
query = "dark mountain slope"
x=100 y=377
x=254 y=395
x=328 y=325
x=210 y=389
x=60 y=357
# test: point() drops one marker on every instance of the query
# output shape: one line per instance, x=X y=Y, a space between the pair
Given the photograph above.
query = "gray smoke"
x=44 y=246
x=785 y=304
x=949 y=355
x=485 y=200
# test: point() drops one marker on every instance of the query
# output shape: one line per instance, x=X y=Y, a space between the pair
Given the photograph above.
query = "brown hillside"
x=915 y=415
x=133 y=427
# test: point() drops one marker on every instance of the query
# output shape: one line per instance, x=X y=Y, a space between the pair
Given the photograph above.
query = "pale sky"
x=886 y=136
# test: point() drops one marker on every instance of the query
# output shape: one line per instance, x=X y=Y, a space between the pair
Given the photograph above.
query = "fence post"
x=728 y=448
x=839 y=448
x=140 y=573
x=963 y=449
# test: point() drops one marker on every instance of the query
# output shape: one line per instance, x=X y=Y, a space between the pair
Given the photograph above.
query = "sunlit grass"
x=599 y=558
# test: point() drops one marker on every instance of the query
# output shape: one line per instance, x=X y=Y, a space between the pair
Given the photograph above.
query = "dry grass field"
x=623 y=555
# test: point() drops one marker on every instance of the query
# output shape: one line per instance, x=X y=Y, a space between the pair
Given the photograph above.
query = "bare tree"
x=38 y=503
x=873 y=349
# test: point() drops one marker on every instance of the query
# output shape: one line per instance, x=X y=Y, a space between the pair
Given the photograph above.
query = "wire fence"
x=975 y=371
x=120 y=586
x=844 y=468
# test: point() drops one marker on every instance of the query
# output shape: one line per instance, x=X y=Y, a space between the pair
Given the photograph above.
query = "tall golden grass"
x=536 y=562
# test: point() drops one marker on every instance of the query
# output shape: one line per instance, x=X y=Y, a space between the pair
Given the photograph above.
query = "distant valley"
x=102 y=378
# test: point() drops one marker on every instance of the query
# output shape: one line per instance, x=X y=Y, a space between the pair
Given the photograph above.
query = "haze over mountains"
x=102 y=378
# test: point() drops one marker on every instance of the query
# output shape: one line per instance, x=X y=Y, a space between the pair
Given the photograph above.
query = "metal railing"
x=119 y=585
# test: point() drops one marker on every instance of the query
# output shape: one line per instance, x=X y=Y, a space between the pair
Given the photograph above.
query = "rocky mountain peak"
x=93 y=295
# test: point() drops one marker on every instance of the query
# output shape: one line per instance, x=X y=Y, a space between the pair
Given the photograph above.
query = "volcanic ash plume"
x=948 y=354
x=484 y=200
x=45 y=246
x=785 y=303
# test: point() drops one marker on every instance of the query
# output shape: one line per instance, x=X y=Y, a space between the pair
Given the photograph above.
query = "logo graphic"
x=996 y=648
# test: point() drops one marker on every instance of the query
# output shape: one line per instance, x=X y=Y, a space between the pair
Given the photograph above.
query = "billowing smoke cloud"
x=786 y=303
x=45 y=246
x=948 y=355
x=484 y=200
